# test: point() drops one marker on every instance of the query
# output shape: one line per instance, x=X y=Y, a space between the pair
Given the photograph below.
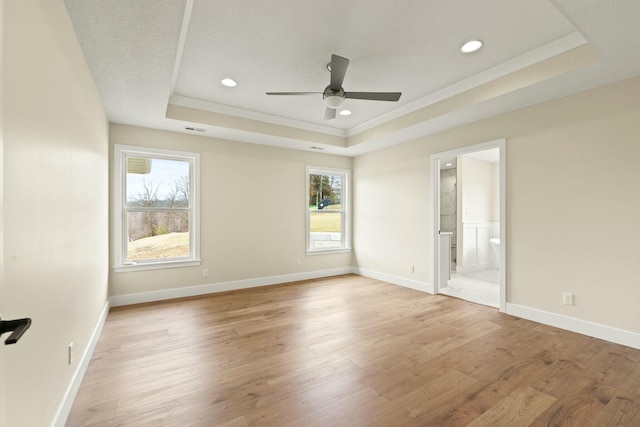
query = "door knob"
x=18 y=327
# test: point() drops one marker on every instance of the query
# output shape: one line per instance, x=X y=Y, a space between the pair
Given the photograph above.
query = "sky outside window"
x=163 y=175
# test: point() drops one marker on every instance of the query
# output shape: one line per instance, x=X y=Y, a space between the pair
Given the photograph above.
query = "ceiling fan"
x=334 y=95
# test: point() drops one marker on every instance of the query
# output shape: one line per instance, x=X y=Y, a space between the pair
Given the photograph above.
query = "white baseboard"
x=396 y=280
x=60 y=419
x=596 y=330
x=190 y=291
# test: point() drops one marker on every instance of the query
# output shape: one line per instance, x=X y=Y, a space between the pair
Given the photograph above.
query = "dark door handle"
x=18 y=327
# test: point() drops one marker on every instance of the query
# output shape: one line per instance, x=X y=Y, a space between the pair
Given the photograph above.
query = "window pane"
x=325 y=229
x=157 y=182
x=157 y=235
x=325 y=192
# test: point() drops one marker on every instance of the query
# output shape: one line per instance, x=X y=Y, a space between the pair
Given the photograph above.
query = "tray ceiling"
x=158 y=63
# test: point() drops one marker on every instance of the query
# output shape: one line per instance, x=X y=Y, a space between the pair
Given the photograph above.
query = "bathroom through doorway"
x=468 y=227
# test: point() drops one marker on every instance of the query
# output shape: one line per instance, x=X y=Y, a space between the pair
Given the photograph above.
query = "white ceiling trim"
x=181 y=42
x=544 y=52
x=199 y=104
x=231 y=134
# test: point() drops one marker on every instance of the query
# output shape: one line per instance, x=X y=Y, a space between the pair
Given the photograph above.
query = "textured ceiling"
x=158 y=63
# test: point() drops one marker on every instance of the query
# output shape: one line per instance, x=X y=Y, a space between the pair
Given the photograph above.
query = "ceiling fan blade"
x=338 y=71
x=374 y=96
x=294 y=93
x=329 y=113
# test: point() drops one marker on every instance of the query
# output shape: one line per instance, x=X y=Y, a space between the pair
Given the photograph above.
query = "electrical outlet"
x=412 y=269
x=70 y=352
x=567 y=298
x=205 y=272
x=298 y=263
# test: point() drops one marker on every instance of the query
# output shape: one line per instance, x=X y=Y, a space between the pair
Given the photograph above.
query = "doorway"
x=468 y=227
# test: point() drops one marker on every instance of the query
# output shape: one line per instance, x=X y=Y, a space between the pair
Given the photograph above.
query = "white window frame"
x=345 y=242
x=121 y=152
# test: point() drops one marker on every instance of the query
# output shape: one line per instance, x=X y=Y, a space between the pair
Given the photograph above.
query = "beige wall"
x=55 y=175
x=252 y=212
x=391 y=212
x=3 y=418
x=572 y=181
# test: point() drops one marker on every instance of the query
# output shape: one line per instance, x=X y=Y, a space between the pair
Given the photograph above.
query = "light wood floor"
x=349 y=351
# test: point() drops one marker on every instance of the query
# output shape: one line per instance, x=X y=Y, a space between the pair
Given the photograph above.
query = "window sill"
x=157 y=265
x=327 y=251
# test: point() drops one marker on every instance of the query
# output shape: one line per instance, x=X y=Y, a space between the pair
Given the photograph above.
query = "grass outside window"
x=327 y=222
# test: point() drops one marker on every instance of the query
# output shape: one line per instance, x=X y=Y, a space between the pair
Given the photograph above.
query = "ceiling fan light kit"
x=334 y=95
x=333 y=99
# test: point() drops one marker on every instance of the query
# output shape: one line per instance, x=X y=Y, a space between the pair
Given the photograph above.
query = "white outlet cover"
x=567 y=298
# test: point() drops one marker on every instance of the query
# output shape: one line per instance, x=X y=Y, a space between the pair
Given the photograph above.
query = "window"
x=155 y=209
x=327 y=210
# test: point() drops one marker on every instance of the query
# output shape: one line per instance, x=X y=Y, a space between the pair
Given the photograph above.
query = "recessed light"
x=448 y=164
x=229 y=82
x=471 y=46
x=345 y=112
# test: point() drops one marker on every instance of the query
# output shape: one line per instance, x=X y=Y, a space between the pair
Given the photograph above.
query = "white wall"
x=477 y=220
x=253 y=202
x=495 y=186
x=55 y=206
x=475 y=180
x=570 y=164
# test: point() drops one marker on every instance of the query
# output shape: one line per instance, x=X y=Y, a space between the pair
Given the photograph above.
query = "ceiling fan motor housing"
x=333 y=98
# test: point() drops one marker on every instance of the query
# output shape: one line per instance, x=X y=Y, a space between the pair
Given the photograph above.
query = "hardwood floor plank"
x=297 y=406
x=520 y=408
x=620 y=411
x=423 y=400
x=348 y=351
x=236 y=422
x=396 y=378
x=575 y=411
x=334 y=413
x=466 y=406
x=94 y=414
